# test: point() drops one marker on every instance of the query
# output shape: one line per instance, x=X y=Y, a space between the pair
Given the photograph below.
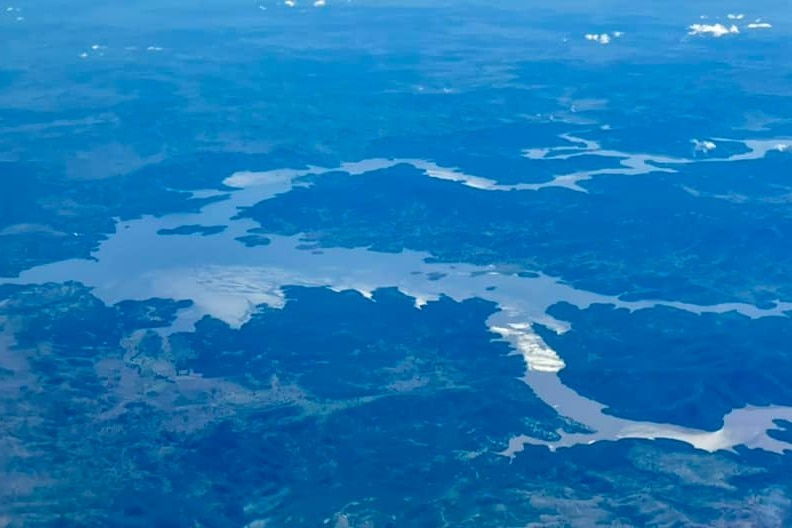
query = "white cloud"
x=602 y=38
x=320 y=3
x=759 y=25
x=703 y=145
x=719 y=29
x=715 y=30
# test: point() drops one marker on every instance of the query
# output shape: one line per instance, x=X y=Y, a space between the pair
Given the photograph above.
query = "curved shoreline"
x=231 y=279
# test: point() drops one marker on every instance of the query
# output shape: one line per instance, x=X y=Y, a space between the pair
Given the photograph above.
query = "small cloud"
x=715 y=30
x=603 y=38
x=733 y=16
x=290 y=3
x=759 y=25
x=153 y=48
x=703 y=145
x=320 y=3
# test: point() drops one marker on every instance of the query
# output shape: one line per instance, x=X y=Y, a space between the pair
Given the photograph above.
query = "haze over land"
x=395 y=264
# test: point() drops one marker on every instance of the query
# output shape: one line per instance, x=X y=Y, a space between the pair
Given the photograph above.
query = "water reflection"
x=227 y=279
